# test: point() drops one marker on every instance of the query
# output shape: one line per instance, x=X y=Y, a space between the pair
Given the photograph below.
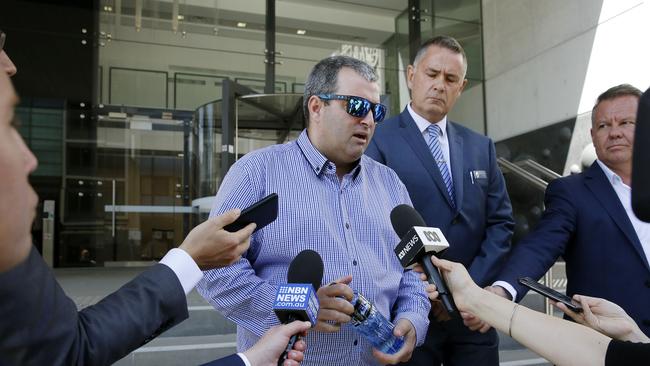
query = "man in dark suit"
x=590 y=223
x=40 y=325
x=452 y=177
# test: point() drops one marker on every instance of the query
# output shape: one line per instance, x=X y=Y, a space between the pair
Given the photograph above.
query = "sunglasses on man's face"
x=358 y=107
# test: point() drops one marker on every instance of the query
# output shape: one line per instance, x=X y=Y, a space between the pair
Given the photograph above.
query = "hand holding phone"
x=262 y=213
x=551 y=294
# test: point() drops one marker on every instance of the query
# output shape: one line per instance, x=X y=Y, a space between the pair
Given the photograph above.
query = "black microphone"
x=641 y=160
x=418 y=243
x=297 y=299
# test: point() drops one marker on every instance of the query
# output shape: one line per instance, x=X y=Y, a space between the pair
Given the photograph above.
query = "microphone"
x=641 y=160
x=417 y=245
x=297 y=299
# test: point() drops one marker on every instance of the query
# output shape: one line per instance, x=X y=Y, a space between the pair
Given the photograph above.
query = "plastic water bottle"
x=374 y=326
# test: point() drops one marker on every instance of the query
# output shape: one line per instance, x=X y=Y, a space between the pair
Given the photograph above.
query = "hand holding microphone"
x=297 y=299
x=417 y=245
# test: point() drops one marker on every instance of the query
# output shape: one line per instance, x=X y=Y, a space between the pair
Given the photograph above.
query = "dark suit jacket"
x=586 y=223
x=40 y=325
x=480 y=227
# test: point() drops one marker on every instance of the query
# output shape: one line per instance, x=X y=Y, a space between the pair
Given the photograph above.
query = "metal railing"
x=524 y=170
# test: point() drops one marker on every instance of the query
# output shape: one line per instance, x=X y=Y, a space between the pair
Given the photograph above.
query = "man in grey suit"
x=40 y=324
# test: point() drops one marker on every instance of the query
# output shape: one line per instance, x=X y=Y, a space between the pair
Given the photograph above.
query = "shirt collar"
x=316 y=159
x=612 y=177
x=423 y=124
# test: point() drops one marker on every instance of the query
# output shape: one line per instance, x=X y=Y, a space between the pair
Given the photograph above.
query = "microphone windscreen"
x=306 y=267
x=403 y=218
x=641 y=161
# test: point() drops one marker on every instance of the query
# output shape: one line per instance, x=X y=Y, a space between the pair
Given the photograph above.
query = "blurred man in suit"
x=590 y=223
x=452 y=177
x=40 y=324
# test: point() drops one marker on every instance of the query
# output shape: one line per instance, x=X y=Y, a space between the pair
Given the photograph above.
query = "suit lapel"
x=410 y=132
x=456 y=158
x=596 y=181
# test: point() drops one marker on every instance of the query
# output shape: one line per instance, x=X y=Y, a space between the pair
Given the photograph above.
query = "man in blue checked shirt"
x=333 y=200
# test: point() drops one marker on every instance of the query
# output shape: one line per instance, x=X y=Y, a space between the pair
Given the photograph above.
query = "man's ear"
x=315 y=107
x=463 y=86
x=410 y=72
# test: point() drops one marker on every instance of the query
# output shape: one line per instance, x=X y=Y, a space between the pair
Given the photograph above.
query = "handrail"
x=539 y=168
x=520 y=172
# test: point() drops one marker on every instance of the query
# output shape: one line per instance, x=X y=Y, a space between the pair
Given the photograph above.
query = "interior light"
x=241 y=24
x=301 y=32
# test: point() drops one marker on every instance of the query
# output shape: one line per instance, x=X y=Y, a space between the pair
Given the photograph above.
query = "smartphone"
x=262 y=213
x=551 y=294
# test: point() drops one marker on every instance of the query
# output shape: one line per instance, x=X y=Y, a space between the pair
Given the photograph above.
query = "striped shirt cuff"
x=420 y=324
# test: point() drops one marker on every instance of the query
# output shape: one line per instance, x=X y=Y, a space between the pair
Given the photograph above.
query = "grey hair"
x=322 y=78
x=614 y=92
x=447 y=42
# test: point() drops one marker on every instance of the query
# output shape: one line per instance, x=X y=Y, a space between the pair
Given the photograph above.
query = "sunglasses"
x=358 y=107
x=3 y=37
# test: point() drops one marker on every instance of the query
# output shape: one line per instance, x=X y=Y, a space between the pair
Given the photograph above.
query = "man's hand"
x=212 y=247
x=474 y=323
x=335 y=306
x=437 y=309
x=605 y=317
x=402 y=328
x=439 y=312
x=477 y=324
x=267 y=351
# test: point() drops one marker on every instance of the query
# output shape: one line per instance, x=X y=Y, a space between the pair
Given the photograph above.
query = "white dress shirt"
x=443 y=138
x=624 y=194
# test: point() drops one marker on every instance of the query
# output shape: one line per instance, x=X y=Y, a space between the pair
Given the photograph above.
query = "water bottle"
x=374 y=326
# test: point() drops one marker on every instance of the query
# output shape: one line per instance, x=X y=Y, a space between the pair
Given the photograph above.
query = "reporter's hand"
x=460 y=284
x=212 y=247
x=267 y=351
x=402 y=328
x=335 y=306
x=605 y=317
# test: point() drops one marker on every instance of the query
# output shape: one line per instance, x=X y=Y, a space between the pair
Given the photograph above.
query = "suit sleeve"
x=41 y=324
x=499 y=226
x=539 y=250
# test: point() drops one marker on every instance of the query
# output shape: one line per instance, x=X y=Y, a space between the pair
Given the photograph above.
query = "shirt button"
x=355 y=342
x=347 y=226
x=354 y=262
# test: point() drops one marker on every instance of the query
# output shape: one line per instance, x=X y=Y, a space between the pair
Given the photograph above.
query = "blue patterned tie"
x=436 y=150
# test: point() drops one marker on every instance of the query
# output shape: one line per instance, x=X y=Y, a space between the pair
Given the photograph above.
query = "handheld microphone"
x=418 y=243
x=297 y=299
